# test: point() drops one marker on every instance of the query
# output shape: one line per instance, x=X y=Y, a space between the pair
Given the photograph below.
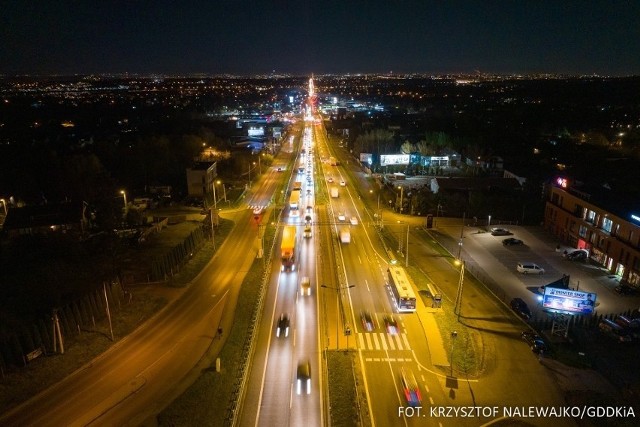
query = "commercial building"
x=605 y=224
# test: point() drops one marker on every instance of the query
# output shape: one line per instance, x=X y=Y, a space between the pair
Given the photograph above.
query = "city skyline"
x=250 y=37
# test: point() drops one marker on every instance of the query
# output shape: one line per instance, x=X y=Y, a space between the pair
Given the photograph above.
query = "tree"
x=407 y=148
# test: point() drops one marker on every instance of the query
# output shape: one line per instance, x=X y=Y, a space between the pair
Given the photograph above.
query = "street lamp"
x=458 y=304
x=124 y=195
x=401 y=188
x=215 y=198
x=337 y=308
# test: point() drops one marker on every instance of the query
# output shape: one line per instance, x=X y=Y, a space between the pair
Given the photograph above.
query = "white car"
x=341 y=217
x=354 y=220
x=343 y=184
x=330 y=180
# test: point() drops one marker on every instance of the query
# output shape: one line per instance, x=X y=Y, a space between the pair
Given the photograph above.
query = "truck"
x=334 y=192
x=288 y=248
x=345 y=235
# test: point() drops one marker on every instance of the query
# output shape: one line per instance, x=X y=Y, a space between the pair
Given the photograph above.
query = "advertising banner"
x=568 y=301
x=394 y=159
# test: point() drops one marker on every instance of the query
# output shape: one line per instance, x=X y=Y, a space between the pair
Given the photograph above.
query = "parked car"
x=497 y=231
x=577 y=255
x=529 y=268
x=626 y=290
x=536 y=343
x=521 y=308
x=511 y=241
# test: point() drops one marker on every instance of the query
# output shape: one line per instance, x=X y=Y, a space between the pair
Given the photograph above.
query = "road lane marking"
x=383 y=341
x=368 y=337
x=375 y=340
x=361 y=339
x=406 y=343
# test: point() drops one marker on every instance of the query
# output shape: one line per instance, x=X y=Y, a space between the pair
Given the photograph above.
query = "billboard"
x=366 y=158
x=568 y=301
x=394 y=159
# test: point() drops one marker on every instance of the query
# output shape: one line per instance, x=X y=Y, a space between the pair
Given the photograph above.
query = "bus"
x=294 y=202
x=403 y=295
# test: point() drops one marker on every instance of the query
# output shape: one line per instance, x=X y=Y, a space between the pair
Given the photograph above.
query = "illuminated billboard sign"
x=394 y=159
x=568 y=301
x=366 y=158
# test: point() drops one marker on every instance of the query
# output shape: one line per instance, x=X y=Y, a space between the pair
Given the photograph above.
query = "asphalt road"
x=143 y=372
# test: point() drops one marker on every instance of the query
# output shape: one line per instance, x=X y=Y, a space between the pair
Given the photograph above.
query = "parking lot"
x=495 y=264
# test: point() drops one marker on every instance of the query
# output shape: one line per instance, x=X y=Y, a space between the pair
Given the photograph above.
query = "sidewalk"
x=438 y=354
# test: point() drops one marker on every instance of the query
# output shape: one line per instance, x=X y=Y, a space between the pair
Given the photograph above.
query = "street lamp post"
x=124 y=195
x=401 y=188
x=461 y=236
x=215 y=198
x=458 y=304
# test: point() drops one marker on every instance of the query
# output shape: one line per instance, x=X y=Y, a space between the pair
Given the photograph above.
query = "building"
x=201 y=179
x=608 y=227
x=44 y=219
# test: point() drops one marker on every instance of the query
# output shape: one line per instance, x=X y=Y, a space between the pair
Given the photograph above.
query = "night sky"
x=303 y=37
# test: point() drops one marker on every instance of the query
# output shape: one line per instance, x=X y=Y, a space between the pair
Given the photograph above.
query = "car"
x=529 y=268
x=511 y=241
x=307 y=232
x=391 y=325
x=330 y=180
x=303 y=378
x=305 y=286
x=282 y=329
x=521 y=308
x=496 y=231
x=258 y=211
x=308 y=191
x=367 y=321
x=577 y=255
x=626 y=290
x=410 y=387
x=343 y=184
x=341 y=217
x=279 y=169
x=308 y=179
x=536 y=343
x=309 y=209
x=354 y=220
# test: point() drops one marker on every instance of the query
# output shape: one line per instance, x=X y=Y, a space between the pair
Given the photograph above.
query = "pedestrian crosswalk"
x=383 y=341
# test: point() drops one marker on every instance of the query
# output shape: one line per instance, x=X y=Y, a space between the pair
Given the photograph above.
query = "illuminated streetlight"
x=124 y=195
